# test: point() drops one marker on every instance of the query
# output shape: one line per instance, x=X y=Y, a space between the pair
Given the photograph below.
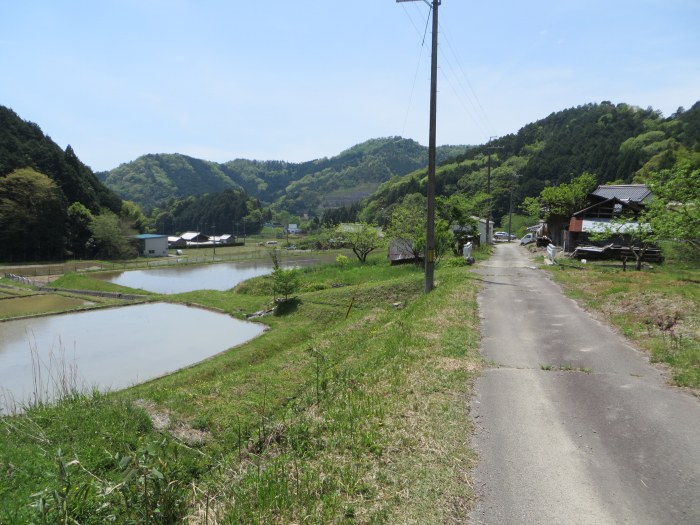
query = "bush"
x=285 y=282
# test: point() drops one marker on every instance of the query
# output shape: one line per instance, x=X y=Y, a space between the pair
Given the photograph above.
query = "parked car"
x=528 y=238
x=503 y=236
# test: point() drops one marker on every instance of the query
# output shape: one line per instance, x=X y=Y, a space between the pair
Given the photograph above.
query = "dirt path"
x=574 y=426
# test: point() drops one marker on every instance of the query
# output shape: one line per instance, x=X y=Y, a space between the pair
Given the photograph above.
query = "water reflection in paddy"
x=114 y=348
x=186 y=278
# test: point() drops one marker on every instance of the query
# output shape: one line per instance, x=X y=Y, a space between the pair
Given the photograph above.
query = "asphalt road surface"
x=573 y=425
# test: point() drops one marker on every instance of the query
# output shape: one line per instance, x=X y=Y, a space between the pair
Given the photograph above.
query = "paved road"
x=599 y=440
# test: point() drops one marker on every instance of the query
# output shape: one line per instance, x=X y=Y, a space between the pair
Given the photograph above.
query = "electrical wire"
x=482 y=115
x=453 y=74
x=427 y=20
x=471 y=109
x=420 y=58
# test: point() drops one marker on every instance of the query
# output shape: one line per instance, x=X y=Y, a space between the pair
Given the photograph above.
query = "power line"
x=427 y=22
x=415 y=76
x=474 y=117
x=481 y=111
x=413 y=89
x=455 y=76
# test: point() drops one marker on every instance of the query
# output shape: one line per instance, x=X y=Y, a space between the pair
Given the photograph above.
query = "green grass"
x=350 y=409
x=81 y=281
x=67 y=461
x=659 y=309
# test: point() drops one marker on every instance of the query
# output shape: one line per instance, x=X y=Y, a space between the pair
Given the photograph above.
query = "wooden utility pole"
x=510 y=205
x=489 y=218
x=430 y=222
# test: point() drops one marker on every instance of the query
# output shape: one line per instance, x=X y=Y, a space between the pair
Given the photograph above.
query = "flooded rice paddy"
x=185 y=278
x=39 y=304
x=109 y=348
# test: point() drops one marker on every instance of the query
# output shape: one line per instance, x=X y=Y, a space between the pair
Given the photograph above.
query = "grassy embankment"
x=350 y=409
x=24 y=300
x=254 y=248
x=658 y=309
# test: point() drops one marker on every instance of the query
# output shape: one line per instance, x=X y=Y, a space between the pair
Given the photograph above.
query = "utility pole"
x=489 y=218
x=430 y=223
x=510 y=206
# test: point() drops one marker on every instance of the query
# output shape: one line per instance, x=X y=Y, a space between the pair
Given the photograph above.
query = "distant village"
x=571 y=235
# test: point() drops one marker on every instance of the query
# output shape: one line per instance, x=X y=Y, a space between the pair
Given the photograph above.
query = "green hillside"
x=613 y=142
x=49 y=199
x=355 y=173
x=153 y=180
x=24 y=145
x=220 y=212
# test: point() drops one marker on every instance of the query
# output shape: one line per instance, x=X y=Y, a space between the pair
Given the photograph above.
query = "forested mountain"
x=613 y=142
x=24 y=145
x=228 y=211
x=355 y=173
x=51 y=204
x=153 y=180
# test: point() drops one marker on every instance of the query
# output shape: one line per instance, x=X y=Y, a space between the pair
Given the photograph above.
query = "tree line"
x=51 y=204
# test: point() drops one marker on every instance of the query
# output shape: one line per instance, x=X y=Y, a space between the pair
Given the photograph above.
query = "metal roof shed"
x=152 y=245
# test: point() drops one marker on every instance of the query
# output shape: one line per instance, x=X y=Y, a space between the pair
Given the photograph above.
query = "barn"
x=152 y=245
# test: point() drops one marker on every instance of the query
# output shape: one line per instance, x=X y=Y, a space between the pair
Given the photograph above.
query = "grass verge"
x=659 y=309
x=338 y=414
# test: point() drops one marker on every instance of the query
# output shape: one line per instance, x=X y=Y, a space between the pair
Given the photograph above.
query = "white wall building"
x=152 y=245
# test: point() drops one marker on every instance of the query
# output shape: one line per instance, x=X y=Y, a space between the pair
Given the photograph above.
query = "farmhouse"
x=474 y=232
x=400 y=251
x=194 y=238
x=176 y=242
x=226 y=238
x=606 y=204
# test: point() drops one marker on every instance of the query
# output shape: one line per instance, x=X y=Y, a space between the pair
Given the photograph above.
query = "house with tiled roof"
x=637 y=193
x=605 y=204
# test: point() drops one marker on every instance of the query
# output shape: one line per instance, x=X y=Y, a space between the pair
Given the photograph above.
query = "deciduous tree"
x=363 y=238
x=407 y=229
x=78 y=229
x=110 y=238
x=32 y=214
x=285 y=282
x=562 y=200
x=674 y=212
x=407 y=225
x=628 y=230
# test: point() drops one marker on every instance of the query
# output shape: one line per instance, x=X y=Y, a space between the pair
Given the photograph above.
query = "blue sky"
x=299 y=80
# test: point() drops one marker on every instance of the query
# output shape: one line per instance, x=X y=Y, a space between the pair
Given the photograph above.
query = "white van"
x=528 y=238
